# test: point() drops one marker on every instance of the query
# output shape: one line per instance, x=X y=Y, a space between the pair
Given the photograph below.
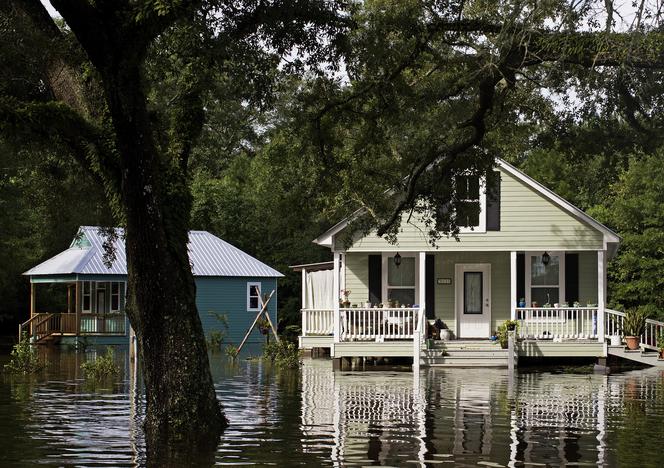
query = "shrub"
x=232 y=351
x=24 y=359
x=283 y=353
x=216 y=338
x=103 y=367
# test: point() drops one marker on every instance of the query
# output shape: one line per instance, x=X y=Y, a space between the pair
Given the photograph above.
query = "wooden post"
x=77 y=303
x=601 y=294
x=33 y=299
x=263 y=310
x=513 y=287
x=337 y=292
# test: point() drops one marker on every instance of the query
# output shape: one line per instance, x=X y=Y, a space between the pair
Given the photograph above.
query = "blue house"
x=229 y=282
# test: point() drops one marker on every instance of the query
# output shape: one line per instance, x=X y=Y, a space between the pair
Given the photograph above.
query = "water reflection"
x=317 y=417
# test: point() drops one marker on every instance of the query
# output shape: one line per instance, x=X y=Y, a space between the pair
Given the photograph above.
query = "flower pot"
x=445 y=334
x=429 y=343
x=632 y=342
x=346 y=304
x=661 y=354
x=616 y=340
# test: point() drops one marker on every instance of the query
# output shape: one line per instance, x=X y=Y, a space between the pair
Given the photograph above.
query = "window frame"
x=529 y=276
x=114 y=295
x=385 y=287
x=88 y=294
x=481 y=227
x=249 y=296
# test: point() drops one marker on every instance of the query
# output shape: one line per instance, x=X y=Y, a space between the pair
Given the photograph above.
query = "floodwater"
x=317 y=417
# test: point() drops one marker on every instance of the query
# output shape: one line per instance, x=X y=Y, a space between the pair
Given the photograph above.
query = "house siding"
x=528 y=221
x=357 y=277
x=215 y=295
x=587 y=277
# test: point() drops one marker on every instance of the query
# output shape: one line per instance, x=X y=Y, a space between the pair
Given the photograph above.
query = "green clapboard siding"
x=357 y=277
x=528 y=222
x=587 y=277
x=229 y=296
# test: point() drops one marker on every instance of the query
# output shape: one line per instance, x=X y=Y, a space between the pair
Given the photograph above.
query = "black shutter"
x=571 y=277
x=430 y=286
x=493 y=202
x=375 y=279
x=520 y=277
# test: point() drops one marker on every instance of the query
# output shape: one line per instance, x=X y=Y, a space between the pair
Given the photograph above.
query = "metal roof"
x=208 y=255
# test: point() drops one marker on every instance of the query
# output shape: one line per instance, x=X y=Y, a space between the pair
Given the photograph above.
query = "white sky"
x=52 y=11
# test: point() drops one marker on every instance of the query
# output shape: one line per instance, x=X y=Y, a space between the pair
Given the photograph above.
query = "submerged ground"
x=317 y=417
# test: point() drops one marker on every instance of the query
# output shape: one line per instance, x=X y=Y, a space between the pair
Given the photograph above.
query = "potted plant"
x=634 y=325
x=263 y=326
x=660 y=344
x=503 y=329
x=345 y=303
x=445 y=332
x=522 y=302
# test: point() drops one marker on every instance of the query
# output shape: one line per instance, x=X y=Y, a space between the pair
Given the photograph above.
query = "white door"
x=473 y=300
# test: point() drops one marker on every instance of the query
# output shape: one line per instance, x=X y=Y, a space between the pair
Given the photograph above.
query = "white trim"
x=460 y=268
x=601 y=294
x=513 y=286
x=388 y=257
x=561 y=276
x=422 y=265
x=249 y=285
x=337 y=292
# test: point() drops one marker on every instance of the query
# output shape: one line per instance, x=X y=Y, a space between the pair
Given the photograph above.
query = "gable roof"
x=610 y=237
x=208 y=254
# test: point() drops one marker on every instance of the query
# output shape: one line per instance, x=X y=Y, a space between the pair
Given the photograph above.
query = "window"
x=87 y=296
x=401 y=280
x=473 y=293
x=116 y=289
x=545 y=284
x=253 y=296
x=471 y=203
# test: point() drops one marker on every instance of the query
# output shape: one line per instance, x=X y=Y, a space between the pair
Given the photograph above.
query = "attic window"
x=81 y=241
x=471 y=203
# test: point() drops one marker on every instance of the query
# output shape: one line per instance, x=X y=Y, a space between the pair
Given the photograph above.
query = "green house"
x=229 y=282
x=528 y=256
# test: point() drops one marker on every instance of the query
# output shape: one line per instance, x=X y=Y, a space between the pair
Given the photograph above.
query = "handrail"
x=25 y=324
x=648 y=339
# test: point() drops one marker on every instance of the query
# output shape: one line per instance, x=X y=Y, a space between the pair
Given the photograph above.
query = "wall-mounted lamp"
x=397 y=260
x=546 y=258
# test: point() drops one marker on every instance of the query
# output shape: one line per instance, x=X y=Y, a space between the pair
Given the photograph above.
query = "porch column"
x=77 y=303
x=337 y=292
x=513 y=298
x=304 y=302
x=601 y=294
x=33 y=299
x=422 y=268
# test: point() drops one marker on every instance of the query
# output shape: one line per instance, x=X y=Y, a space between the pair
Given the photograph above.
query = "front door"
x=473 y=300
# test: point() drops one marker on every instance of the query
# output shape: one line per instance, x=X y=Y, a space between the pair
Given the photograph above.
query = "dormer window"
x=471 y=203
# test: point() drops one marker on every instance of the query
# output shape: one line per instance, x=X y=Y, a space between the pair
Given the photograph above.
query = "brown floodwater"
x=317 y=417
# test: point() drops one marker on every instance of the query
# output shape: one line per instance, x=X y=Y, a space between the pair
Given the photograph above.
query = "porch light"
x=397 y=259
x=545 y=259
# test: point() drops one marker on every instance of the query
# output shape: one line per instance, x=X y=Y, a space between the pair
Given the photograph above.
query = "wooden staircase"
x=643 y=356
x=465 y=353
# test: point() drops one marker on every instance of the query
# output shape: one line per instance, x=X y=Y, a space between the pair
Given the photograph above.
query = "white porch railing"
x=317 y=322
x=558 y=322
x=378 y=324
x=614 y=326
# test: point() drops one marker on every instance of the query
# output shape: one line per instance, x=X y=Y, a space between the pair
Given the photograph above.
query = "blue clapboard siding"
x=228 y=295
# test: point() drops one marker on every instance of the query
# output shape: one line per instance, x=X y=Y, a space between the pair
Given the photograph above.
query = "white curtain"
x=320 y=290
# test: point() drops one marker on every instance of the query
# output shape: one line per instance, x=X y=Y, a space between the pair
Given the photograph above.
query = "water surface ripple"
x=317 y=417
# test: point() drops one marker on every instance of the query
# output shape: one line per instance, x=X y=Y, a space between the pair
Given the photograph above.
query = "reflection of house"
x=459 y=415
x=228 y=282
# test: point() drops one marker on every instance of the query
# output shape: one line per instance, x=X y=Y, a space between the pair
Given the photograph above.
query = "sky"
x=52 y=11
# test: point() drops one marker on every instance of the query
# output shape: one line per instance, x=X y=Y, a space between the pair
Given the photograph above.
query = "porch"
x=91 y=308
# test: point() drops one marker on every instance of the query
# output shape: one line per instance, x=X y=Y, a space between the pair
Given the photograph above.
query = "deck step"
x=648 y=357
x=464 y=361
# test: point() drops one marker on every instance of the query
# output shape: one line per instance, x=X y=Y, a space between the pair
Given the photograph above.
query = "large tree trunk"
x=183 y=416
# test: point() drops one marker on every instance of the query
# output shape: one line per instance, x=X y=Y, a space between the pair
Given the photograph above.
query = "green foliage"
x=660 y=340
x=636 y=211
x=502 y=333
x=103 y=367
x=284 y=354
x=634 y=323
x=23 y=358
x=231 y=351
x=216 y=338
